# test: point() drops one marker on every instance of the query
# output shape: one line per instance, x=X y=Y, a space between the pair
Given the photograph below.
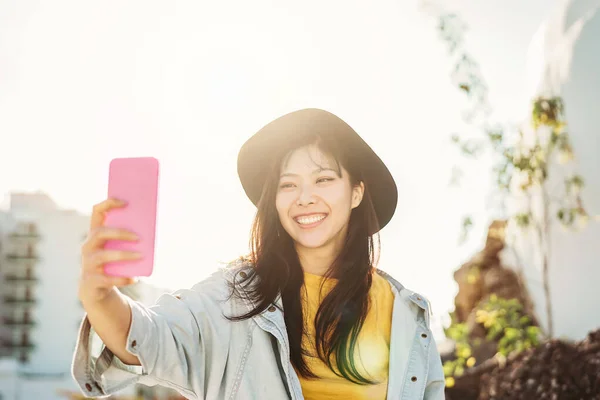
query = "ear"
x=357 y=194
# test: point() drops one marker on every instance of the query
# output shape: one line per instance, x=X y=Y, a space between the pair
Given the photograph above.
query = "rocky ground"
x=555 y=370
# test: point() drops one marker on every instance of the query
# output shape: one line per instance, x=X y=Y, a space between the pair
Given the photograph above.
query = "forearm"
x=111 y=319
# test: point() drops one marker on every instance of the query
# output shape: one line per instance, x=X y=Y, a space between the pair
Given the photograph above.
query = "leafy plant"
x=464 y=359
x=504 y=323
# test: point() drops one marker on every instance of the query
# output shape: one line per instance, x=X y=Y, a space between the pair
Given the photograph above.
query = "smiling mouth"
x=309 y=221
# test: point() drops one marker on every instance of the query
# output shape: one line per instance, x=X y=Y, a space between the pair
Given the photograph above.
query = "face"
x=314 y=203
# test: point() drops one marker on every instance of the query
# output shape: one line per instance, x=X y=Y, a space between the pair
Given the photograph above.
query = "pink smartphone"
x=134 y=180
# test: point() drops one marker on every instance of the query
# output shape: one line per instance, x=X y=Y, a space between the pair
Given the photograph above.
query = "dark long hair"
x=277 y=270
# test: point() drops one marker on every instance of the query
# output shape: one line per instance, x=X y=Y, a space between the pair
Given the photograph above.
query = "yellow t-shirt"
x=373 y=347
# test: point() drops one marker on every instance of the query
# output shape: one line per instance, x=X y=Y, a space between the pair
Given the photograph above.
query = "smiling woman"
x=306 y=315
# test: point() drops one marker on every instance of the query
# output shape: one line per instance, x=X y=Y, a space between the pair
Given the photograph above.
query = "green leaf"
x=448 y=368
x=533 y=332
x=511 y=333
x=522 y=219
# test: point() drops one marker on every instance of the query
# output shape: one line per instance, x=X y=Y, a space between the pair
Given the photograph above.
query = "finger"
x=97 y=260
x=101 y=235
x=101 y=281
x=120 y=280
x=100 y=209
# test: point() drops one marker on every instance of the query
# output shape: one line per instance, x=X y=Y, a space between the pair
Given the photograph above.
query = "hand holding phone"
x=135 y=181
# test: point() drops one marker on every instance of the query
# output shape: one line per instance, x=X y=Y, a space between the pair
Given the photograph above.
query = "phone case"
x=134 y=180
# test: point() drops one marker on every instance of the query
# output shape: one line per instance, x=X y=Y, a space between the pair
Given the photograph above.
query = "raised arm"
x=171 y=343
x=107 y=309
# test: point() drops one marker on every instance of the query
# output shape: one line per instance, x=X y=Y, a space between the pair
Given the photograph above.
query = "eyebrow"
x=316 y=171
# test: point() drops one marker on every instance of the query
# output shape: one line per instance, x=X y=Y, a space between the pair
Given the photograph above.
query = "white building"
x=39 y=268
x=564 y=61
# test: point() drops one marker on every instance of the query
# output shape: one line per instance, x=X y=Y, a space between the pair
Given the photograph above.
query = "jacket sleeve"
x=169 y=340
x=435 y=386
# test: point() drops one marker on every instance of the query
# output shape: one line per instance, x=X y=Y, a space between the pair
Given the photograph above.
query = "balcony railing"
x=19 y=279
x=24 y=235
x=17 y=345
x=10 y=300
x=18 y=322
x=27 y=257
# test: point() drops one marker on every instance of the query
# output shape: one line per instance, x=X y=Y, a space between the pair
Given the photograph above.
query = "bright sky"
x=188 y=82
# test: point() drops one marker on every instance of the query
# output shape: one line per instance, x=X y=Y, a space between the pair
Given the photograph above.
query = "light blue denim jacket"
x=185 y=343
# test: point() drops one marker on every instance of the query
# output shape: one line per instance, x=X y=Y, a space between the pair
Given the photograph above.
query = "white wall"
x=564 y=61
x=8 y=381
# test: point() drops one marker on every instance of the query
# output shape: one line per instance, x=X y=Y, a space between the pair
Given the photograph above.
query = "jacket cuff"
x=100 y=373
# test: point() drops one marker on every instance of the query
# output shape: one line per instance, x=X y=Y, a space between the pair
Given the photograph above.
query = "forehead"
x=307 y=158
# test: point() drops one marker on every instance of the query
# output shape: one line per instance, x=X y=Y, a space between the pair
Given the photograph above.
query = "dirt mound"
x=554 y=370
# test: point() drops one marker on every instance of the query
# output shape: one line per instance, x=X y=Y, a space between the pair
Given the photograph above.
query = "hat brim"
x=255 y=156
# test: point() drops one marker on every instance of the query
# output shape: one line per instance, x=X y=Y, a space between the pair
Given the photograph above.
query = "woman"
x=305 y=316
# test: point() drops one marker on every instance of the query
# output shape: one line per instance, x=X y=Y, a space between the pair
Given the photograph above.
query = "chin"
x=311 y=242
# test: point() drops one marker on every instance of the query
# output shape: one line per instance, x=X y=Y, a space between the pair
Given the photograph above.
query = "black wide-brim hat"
x=255 y=156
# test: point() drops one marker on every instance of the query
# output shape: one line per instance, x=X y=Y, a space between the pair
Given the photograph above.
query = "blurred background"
x=484 y=111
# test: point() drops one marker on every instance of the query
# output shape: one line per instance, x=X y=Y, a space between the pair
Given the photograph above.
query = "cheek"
x=339 y=199
x=282 y=203
x=343 y=206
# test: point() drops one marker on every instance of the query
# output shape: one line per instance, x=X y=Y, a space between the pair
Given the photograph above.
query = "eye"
x=286 y=185
x=324 y=179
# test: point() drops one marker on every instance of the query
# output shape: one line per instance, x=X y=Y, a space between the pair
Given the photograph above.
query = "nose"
x=305 y=197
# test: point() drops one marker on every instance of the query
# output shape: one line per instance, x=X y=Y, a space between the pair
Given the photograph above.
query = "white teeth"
x=310 y=220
